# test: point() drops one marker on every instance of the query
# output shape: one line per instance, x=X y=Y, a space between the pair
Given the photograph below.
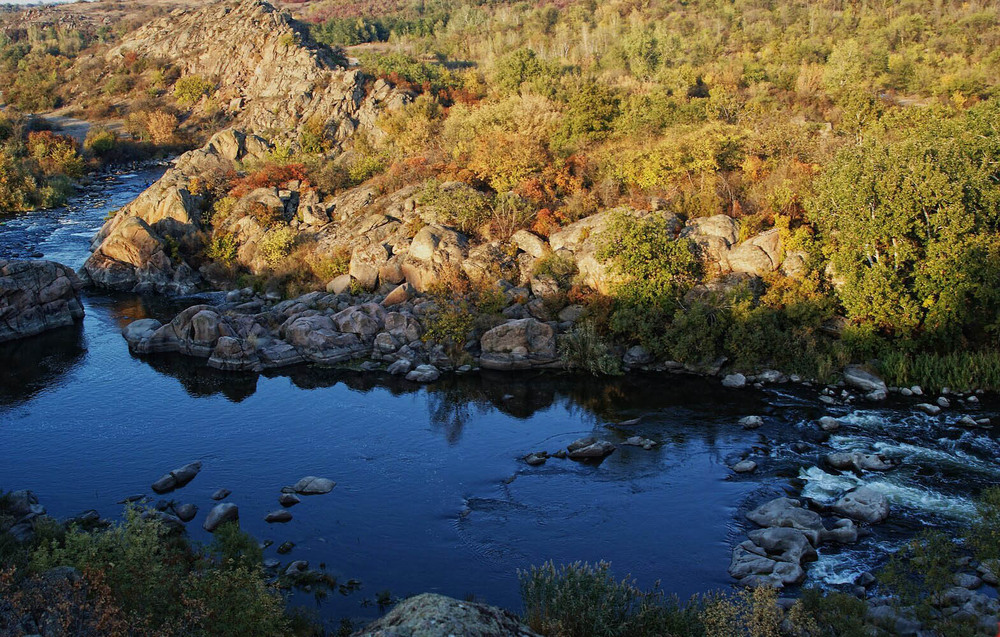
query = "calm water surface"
x=431 y=493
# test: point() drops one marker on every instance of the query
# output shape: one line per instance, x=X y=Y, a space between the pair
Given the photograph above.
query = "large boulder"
x=860 y=378
x=758 y=255
x=432 y=615
x=36 y=296
x=433 y=251
x=786 y=512
x=518 y=344
x=863 y=504
x=715 y=236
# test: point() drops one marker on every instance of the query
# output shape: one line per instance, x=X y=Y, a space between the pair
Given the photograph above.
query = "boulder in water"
x=311 y=485
x=177 y=478
x=863 y=504
x=220 y=514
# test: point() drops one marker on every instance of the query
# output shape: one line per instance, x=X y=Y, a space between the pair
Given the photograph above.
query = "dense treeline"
x=866 y=132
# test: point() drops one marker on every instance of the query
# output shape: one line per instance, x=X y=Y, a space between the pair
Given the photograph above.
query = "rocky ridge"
x=273 y=80
x=36 y=296
x=268 y=73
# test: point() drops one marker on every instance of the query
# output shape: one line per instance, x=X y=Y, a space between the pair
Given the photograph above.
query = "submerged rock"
x=860 y=378
x=186 y=512
x=751 y=422
x=278 y=516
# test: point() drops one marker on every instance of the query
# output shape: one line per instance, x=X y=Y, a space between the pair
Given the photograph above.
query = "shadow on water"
x=29 y=366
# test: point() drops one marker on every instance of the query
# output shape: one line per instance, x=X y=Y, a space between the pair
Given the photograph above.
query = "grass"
x=960 y=371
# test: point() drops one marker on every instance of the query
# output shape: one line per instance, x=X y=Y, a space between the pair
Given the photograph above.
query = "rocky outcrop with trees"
x=36 y=296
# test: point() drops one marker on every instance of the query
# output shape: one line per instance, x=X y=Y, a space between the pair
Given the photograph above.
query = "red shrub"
x=270 y=176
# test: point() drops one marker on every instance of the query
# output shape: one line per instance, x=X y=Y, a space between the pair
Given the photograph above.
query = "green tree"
x=910 y=216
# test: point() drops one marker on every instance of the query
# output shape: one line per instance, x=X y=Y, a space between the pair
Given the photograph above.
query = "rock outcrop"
x=268 y=73
x=36 y=296
x=775 y=555
x=274 y=80
x=431 y=615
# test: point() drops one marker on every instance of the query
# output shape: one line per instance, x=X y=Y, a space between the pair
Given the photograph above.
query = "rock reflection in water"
x=29 y=366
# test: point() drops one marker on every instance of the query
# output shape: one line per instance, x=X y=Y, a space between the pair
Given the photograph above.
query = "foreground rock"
x=431 y=615
x=37 y=296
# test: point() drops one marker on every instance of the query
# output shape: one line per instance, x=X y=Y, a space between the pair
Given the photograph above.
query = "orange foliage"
x=270 y=176
x=546 y=222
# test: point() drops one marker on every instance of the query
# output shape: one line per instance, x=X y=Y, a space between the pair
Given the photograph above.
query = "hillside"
x=710 y=182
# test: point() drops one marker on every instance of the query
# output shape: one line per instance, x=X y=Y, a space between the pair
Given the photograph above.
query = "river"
x=432 y=494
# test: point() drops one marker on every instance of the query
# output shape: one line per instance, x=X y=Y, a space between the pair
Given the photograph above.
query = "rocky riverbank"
x=36 y=296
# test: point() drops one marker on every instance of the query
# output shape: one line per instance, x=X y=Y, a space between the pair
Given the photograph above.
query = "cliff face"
x=266 y=70
x=273 y=80
x=36 y=296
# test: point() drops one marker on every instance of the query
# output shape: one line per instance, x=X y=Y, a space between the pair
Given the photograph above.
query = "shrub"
x=223 y=249
x=830 y=614
x=558 y=266
x=277 y=244
x=270 y=175
x=100 y=141
x=751 y=612
x=584 y=349
x=921 y=569
x=17 y=185
x=191 y=88
x=984 y=536
x=652 y=271
x=583 y=600
x=450 y=323
x=55 y=154
x=910 y=222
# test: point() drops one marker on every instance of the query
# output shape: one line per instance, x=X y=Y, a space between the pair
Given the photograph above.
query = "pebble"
x=221 y=494
x=746 y=466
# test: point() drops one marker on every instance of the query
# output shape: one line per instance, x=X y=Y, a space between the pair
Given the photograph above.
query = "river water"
x=432 y=494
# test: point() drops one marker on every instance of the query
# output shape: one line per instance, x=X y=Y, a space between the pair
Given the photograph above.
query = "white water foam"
x=826 y=487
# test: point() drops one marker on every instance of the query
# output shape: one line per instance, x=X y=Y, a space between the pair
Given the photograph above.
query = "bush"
x=581 y=600
x=653 y=270
x=55 y=154
x=277 y=244
x=191 y=88
x=223 y=249
x=100 y=141
x=984 y=536
x=583 y=349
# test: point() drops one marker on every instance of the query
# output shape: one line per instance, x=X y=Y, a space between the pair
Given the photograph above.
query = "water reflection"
x=29 y=366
